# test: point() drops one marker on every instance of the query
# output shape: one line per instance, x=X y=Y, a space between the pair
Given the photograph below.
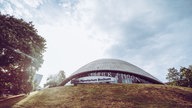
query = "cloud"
x=40 y=11
x=154 y=35
x=162 y=42
x=34 y=3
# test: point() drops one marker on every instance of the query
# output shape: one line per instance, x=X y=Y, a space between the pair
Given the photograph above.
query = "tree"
x=51 y=81
x=21 y=53
x=60 y=77
x=181 y=78
x=173 y=74
x=186 y=74
x=55 y=80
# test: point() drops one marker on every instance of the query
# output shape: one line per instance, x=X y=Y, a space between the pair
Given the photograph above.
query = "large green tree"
x=21 y=53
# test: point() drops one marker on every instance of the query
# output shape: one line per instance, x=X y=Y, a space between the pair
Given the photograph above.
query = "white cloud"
x=153 y=35
x=33 y=3
x=6 y=8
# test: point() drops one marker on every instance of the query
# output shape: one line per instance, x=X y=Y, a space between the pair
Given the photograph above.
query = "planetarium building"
x=110 y=71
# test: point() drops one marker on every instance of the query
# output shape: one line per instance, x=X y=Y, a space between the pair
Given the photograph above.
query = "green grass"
x=110 y=96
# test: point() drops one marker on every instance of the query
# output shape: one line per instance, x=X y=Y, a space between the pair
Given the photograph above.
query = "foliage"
x=173 y=74
x=186 y=74
x=55 y=80
x=183 y=77
x=60 y=77
x=51 y=81
x=21 y=51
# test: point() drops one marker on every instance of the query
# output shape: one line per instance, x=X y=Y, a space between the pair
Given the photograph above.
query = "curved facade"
x=110 y=71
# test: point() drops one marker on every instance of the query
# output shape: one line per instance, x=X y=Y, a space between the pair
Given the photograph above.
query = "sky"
x=152 y=34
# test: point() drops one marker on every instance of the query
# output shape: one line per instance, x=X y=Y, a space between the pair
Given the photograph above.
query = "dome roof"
x=114 y=65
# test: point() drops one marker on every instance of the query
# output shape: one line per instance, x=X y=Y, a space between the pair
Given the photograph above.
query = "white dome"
x=113 y=65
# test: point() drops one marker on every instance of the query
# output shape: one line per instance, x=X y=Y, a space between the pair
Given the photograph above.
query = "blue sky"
x=151 y=34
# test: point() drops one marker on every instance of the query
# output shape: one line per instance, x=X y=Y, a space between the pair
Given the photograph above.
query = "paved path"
x=11 y=97
x=19 y=104
x=15 y=100
x=9 y=101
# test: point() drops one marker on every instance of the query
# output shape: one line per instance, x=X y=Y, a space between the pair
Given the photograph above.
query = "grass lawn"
x=110 y=96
